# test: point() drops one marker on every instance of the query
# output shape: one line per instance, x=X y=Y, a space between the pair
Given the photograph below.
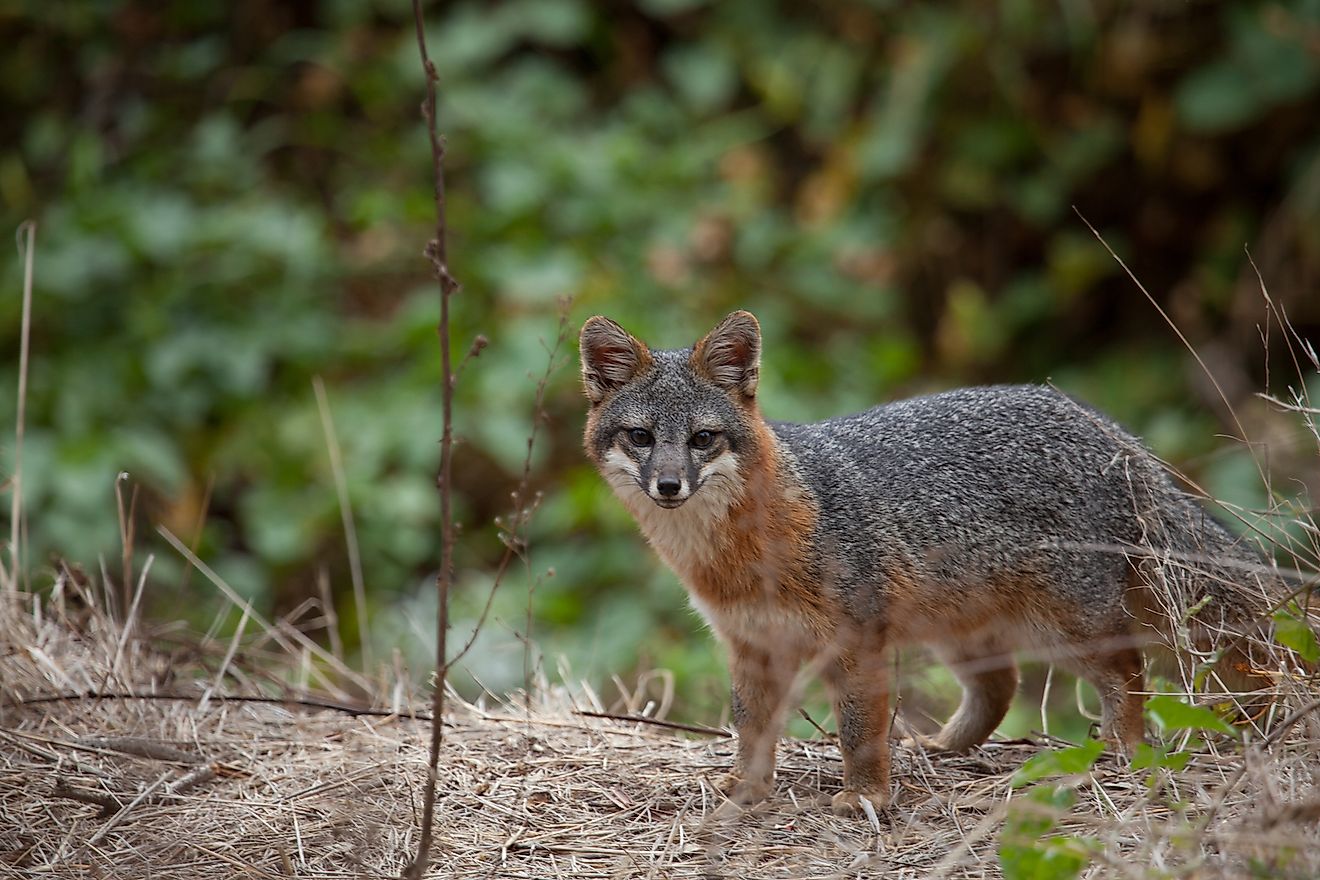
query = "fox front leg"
x=762 y=681
x=859 y=680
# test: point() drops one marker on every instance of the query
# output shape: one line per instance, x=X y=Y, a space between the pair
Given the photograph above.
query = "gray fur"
x=971 y=486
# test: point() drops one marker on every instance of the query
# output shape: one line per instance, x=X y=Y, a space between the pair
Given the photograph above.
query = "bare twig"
x=303 y=702
x=474 y=351
x=127 y=520
x=350 y=530
x=1278 y=733
x=657 y=722
x=192 y=779
x=106 y=801
x=142 y=748
x=16 y=503
x=1242 y=431
x=1288 y=332
x=806 y=716
x=514 y=543
x=126 y=809
x=438 y=254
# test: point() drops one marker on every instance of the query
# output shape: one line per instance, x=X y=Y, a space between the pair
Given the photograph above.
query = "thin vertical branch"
x=127 y=519
x=16 y=503
x=437 y=252
x=350 y=529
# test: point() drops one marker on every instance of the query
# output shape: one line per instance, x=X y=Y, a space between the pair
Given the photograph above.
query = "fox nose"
x=668 y=486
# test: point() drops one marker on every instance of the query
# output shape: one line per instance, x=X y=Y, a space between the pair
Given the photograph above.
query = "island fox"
x=976 y=522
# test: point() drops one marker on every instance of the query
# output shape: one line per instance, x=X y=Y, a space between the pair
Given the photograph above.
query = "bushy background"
x=233 y=199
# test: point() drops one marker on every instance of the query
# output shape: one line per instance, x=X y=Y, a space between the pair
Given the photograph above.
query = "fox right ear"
x=611 y=357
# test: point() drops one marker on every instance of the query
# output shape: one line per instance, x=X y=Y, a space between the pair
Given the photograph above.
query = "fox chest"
x=687 y=540
x=768 y=623
x=747 y=588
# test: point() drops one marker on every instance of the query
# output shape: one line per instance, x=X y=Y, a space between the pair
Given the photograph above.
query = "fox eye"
x=640 y=437
x=702 y=439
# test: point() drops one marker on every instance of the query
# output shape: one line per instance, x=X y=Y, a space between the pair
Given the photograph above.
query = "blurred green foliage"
x=233 y=199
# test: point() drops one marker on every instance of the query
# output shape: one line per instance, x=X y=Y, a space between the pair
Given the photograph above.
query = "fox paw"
x=849 y=801
x=739 y=792
x=1123 y=747
x=936 y=743
x=922 y=741
x=742 y=791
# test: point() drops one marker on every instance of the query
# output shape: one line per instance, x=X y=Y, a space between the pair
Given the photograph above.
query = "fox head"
x=668 y=427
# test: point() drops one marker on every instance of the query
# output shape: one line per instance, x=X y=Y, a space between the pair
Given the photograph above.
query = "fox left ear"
x=730 y=355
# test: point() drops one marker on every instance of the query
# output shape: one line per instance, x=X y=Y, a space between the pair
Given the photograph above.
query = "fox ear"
x=730 y=355
x=611 y=357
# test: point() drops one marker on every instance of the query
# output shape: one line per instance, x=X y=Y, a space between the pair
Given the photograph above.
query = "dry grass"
x=212 y=760
x=218 y=788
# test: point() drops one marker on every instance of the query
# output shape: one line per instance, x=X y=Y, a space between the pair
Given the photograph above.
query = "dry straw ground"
x=213 y=786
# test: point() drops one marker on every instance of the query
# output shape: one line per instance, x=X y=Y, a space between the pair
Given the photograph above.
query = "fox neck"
x=743 y=537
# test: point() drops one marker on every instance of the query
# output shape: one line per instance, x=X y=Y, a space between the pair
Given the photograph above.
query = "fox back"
x=978 y=522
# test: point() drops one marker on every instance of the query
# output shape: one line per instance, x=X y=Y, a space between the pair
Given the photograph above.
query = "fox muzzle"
x=669 y=485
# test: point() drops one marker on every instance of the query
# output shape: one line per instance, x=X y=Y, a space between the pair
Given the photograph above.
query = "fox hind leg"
x=1119 y=678
x=989 y=679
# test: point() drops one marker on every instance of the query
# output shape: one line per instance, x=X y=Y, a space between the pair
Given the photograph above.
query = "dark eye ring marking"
x=640 y=437
x=702 y=439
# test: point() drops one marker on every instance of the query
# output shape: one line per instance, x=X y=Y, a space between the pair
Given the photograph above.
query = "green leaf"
x=1059 y=762
x=560 y=23
x=1263 y=67
x=1057 y=858
x=1172 y=714
x=703 y=74
x=1025 y=850
x=1150 y=757
x=1291 y=631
